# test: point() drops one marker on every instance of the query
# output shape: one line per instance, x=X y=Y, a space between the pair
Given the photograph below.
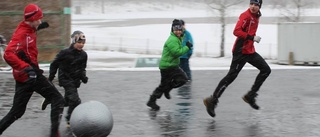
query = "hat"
x=182 y=22
x=258 y=2
x=77 y=36
x=32 y=12
x=176 y=25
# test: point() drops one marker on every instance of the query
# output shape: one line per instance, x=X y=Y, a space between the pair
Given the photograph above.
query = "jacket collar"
x=27 y=27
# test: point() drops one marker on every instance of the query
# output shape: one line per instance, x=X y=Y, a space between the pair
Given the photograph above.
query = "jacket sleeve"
x=84 y=66
x=11 y=57
x=176 y=49
x=240 y=29
x=189 y=37
x=55 y=64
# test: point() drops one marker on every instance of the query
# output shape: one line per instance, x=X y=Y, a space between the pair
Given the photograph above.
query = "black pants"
x=23 y=93
x=170 y=78
x=72 y=98
x=184 y=65
x=238 y=61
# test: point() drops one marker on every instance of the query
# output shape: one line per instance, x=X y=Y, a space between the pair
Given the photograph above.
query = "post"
x=291 y=58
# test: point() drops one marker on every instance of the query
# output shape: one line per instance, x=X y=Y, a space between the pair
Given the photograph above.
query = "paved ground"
x=289 y=100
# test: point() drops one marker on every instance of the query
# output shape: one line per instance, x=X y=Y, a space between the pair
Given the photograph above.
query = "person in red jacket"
x=21 y=54
x=243 y=51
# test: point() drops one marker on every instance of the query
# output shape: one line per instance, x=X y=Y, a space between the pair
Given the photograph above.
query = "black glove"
x=43 y=25
x=51 y=78
x=189 y=45
x=85 y=80
x=31 y=73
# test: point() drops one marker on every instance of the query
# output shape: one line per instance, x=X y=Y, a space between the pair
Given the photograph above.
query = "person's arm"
x=84 y=77
x=190 y=39
x=241 y=27
x=11 y=57
x=175 y=49
x=55 y=65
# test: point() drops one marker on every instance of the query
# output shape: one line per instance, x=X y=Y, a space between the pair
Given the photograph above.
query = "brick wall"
x=49 y=40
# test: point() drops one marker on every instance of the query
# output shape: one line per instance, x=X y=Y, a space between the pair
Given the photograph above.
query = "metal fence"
x=154 y=47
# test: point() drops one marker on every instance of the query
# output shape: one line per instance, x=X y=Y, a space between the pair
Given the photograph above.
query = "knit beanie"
x=176 y=25
x=77 y=36
x=32 y=13
x=258 y=2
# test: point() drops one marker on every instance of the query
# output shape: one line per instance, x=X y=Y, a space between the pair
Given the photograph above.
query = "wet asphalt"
x=289 y=101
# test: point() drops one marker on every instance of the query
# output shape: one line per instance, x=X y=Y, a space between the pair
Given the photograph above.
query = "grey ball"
x=91 y=119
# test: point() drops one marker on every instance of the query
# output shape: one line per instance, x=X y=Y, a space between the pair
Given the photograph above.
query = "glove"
x=257 y=39
x=189 y=45
x=31 y=74
x=51 y=78
x=85 y=80
x=43 y=25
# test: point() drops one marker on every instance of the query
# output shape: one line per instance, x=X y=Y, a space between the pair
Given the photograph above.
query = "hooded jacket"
x=187 y=37
x=72 y=65
x=244 y=30
x=171 y=52
x=23 y=40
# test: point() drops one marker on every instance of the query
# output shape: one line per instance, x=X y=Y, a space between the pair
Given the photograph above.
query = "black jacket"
x=72 y=65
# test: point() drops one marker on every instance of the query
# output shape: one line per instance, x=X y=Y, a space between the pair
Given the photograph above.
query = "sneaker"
x=68 y=124
x=152 y=103
x=44 y=104
x=250 y=99
x=211 y=104
x=167 y=95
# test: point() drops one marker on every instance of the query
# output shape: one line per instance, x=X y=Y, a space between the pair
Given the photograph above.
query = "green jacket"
x=171 y=52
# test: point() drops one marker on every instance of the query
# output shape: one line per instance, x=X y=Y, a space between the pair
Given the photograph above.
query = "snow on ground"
x=152 y=37
x=127 y=62
x=103 y=42
x=108 y=40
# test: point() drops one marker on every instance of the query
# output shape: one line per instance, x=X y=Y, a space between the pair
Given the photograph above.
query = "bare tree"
x=221 y=6
x=292 y=10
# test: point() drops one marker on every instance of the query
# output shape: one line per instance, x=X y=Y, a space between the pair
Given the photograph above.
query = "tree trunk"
x=223 y=27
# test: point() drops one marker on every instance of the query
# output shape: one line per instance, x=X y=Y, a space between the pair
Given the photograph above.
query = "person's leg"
x=71 y=94
x=49 y=92
x=188 y=70
x=178 y=77
x=235 y=68
x=257 y=61
x=236 y=65
x=20 y=101
x=184 y=65
x=163 y=86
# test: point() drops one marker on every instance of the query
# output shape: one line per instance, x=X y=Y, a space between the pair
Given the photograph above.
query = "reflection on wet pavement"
x=6 y=93
x=175 y=124
x=289 y=101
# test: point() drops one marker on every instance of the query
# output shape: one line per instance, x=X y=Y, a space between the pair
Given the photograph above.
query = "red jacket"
x=23 y=39
x=246 y=25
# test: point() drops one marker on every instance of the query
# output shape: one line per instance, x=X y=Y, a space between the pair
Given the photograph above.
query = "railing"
x=154 y=47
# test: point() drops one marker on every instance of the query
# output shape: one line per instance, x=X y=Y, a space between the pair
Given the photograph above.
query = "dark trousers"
x=23 y=93
x=170 y=78
x=238 y=61
x=184 y=65
x=72 y=98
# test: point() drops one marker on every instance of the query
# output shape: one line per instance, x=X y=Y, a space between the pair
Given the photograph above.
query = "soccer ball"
x=91 y=119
